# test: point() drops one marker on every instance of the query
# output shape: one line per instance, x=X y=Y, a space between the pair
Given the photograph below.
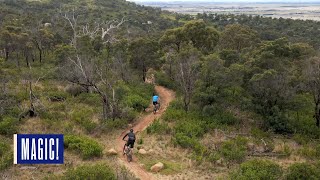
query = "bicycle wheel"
x=154 y=109
x=129 y=156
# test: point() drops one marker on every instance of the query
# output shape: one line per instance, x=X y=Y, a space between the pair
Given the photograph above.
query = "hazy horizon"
x=291 y=9
x=235 y=1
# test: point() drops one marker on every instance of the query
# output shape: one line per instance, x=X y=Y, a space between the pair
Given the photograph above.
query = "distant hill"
x=137 y=16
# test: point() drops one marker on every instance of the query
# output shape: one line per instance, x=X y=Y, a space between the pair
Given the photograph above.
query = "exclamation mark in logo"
x=15 y=149
x=57 y=148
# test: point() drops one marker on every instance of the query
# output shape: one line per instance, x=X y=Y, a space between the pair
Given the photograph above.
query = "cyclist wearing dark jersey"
x=131 y=139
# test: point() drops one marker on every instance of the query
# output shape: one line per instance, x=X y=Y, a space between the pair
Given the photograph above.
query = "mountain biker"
x=155 y=99
x=131 y=139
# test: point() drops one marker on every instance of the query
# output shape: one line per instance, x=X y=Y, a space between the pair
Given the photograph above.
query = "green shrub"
x=234 y=151
x=8 y=126
x=61 y=107
x=303 y=171
x=136 y=96
x=140 y=141
x=50 y=115
x=159 y=128
x=87 y=147
x=301 y=139
x=13 y=111
x=57 y=95
x=92 y=172
x=6 y=160
x=83 y=117
x=164 y=80
x=144 y=90
x=278 y=122
x=308 y=152
x=176 y=104
x=258 y=169
x=317 y=148
x=214 y=114
x=191 y=128
x=225 y=118
x=21 y=95
x=173 y=114
x=259 y=134
x=90 y=99
x=137 y=102
x=317 y=164
x=75 y=90
x=4 y=147
x=185 y=141
x=114 y=124
x=213 y=157
x=287 y=150
x=6 y=155
x=211 y=110
x=53 y=115
x=128 y=113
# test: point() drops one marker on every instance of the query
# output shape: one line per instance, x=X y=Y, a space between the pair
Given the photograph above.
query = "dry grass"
x=177 y=161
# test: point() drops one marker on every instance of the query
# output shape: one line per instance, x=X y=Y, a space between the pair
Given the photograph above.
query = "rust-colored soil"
x=166 y=96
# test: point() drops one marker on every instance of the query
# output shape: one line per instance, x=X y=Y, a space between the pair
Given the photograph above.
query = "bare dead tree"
x=89 y=72
x=72 y=19
x=31 y=112
x=91 y=31
x=107 y=30
x=104 y=29
x=186 y=74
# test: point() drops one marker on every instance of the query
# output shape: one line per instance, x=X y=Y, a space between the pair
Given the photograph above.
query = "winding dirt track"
x=166 y=96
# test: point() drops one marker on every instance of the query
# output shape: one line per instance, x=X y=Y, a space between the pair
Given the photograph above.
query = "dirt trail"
x=166 y=96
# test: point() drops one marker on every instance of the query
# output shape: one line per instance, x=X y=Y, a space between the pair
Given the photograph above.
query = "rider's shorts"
x=131 y=143
x=154 y=102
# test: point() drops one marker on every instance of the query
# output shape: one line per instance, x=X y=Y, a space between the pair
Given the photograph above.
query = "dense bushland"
x=80 y=68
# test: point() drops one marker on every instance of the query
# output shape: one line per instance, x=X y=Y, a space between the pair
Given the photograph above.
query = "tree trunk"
x=113 y=105
x=27 y=60
x=105 y=107
x=33 y=57
x=317 y=114
x=17 y=59
x=186 y=101
x=7 y=55
x=144 y=71
x=40 y=54
x=318 y=118
x=31 y=110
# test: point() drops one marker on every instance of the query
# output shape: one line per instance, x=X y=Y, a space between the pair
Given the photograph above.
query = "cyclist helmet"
x=131 y=130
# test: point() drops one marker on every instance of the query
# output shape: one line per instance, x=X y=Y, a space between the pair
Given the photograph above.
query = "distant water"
x=304 y=11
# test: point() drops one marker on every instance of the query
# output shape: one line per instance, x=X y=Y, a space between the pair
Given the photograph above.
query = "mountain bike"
x=128 y=152
x=156 y=108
